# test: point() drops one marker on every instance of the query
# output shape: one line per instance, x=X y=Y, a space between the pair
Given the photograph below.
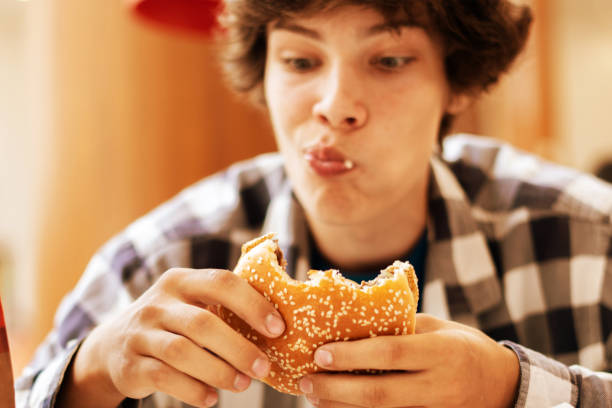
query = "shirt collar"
x=286 y=218
x=458 y=256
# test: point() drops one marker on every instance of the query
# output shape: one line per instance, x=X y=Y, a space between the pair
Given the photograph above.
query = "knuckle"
x=125 y=367
x=174 y=349
x=131 y=342
x=148 y=312
x=374 y=395
x=463 y=348
x=159 y=376
x=427 y=320
x=221 y=277
x=203 y=321
x=171 y=276
x=393 y=353
x=429 y=323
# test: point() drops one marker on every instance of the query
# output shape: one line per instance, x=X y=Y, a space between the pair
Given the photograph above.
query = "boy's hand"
x=168 y=341
x=445 y=364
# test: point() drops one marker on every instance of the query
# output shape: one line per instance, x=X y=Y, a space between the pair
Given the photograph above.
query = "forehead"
x=359 y=19
x=354 y=22
x=415 y=10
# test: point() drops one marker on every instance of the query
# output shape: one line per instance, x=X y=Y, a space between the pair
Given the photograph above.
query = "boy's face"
x=355 y=109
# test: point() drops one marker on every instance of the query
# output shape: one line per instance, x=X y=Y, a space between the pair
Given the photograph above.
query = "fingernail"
x=275 y=325
x=323 y=358
x=306 y=386
x=241 y=382
x=261 y=367
x=211 y=400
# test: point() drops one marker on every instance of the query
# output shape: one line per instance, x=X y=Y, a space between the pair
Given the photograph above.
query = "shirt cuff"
x=46 y=383
x=544 y=382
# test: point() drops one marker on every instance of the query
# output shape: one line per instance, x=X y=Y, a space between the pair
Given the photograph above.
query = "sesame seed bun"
x=326 y=308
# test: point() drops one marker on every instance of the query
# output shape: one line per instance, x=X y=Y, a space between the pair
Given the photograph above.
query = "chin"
x=336 y=204
x=337 y=210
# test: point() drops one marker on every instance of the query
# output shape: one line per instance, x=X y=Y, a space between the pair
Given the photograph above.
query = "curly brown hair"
x=480 y=38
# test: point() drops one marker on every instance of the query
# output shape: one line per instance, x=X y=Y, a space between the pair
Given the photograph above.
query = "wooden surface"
x=138 y=114
x=518 y=110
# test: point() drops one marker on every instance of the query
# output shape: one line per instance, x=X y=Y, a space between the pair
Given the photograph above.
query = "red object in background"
x=194 y=16
x=7 y=393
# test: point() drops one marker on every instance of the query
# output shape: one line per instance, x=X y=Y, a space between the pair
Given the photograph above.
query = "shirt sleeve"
x=546 y=382
x=99 y=295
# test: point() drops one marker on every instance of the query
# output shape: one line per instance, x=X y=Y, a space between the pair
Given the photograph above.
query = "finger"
x=336 y=404
x=383 y=390
x=427 y=323
x=177 y=384
x=331 y=404
x=218 y=286
x=207 y=330
x=185 y=356
x=411 y=353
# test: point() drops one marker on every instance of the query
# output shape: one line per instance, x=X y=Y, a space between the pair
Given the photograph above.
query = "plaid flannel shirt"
x=517 y=247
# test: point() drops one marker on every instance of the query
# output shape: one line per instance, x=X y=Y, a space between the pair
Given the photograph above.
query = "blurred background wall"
x=103 y=117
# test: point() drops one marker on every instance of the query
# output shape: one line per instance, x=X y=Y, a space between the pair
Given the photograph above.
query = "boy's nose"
x=340 y=107
x=341 y=121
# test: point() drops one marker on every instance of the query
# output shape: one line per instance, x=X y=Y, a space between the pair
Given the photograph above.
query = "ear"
x=459 y=102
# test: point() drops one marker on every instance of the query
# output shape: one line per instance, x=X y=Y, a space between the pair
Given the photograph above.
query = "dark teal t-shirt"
x=416 y=256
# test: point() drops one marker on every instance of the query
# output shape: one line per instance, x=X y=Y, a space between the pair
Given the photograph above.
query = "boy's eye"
x=300 y=64
x=392 y=62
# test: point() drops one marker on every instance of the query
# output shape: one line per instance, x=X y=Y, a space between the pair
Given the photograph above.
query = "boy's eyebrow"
x=388 y=26
x=295 y=28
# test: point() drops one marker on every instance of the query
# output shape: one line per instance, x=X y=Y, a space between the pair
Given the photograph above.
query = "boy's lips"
x=328 y=161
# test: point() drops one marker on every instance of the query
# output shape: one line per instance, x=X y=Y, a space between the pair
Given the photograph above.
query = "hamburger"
x=325 y=308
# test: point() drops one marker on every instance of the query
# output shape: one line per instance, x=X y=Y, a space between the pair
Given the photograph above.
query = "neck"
x=374 y=242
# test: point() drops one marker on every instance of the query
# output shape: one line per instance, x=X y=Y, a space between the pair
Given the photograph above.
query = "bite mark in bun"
x=326 y=308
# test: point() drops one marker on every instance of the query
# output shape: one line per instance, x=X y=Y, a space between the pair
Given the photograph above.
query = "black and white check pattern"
x=518 y=247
